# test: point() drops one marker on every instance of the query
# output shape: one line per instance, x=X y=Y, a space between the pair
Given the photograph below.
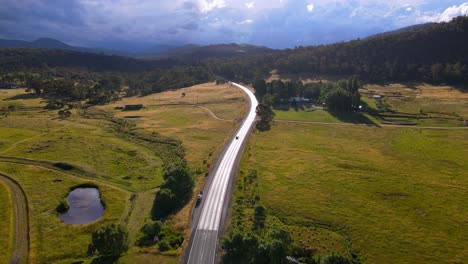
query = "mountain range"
x=189 y=51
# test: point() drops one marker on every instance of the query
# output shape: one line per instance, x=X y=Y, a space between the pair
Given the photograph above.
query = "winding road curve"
x=208 y=218
x=21 y=212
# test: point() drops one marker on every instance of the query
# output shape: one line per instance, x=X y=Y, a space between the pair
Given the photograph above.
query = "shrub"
x=63 y=206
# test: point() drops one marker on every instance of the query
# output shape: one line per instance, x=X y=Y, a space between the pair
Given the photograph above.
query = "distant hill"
x=12 y=59
x=403 y=30
x=193 y=52
x=42 y=43
x=49 y=43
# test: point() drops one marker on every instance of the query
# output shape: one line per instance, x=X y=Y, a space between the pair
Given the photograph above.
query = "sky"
x=138 y=24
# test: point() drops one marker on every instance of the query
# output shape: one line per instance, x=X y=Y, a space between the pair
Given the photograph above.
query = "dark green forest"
x=433 y=53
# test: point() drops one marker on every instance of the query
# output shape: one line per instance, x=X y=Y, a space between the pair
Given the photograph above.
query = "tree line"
x=342 y=95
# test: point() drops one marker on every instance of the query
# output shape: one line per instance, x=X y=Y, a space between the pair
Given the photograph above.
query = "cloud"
x=446 y=16
x=452 y=12
x=250 y=5
x=109 y=22
x=243 y=22
x=208 y=5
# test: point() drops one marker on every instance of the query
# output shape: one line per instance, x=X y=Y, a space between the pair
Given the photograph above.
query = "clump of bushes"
x=165 y=235
x=63 y=206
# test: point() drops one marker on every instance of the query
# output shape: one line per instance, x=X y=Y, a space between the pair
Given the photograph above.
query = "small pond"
x=85 y=206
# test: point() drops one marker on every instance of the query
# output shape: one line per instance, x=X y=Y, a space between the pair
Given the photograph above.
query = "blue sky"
x=274 y=23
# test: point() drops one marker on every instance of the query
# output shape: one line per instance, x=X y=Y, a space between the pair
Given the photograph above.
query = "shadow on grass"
x=104 y=260
x=352 y=117
x=23 y=97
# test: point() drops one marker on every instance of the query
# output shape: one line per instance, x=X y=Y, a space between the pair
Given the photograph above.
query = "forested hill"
x=437 y=52
x=23 y=59
x=190 y=53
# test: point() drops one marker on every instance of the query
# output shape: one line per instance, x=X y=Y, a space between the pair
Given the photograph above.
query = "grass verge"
x=398 y=194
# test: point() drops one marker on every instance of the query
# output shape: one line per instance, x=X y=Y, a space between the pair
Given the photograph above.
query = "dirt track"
x=21 y=223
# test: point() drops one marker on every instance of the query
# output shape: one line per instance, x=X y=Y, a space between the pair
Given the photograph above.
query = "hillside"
x=12 y=59
x=436 y=53
x=193 y=52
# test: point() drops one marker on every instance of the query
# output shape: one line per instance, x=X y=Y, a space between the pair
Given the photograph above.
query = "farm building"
x=299 y=100
x=7 y=86
x=133 y=107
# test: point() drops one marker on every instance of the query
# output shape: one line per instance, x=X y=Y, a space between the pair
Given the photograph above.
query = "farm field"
x=397 y=194
x=33 y=140
x=416 y=104
x=183 y=118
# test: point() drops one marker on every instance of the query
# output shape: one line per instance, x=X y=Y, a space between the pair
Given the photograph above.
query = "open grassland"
x=174 y=115
x=398 y=194
x=33 y=133
x=422 y=104
x=188 y=119
x=6 y=217
x=306 y=116
x=147 y=258
x=52 y=241
x=33 y=139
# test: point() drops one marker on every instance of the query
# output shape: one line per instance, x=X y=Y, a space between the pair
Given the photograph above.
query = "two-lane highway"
x=204 y=240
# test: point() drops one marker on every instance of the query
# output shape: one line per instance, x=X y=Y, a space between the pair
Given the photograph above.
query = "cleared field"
x=6 y=217
x=34 y=133
x=426 y=105
x=174 y=115
x=51 y=240
x=307 y=116
x=184 y=118
x=398 y=194
x=91 y=146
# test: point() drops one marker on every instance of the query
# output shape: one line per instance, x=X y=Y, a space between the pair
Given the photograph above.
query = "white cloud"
x=206 y=6
x=453 y=11
x=447 y=15
x=247 y=21
x=409 y=9
x=250 y=5
x=310 y=7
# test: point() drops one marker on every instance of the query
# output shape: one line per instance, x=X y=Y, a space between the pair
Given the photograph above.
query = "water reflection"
x=85 y=206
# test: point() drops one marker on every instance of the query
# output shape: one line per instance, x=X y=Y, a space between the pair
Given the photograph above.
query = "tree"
x=259 y=216
x=339 y=100
x=260 y=87
x=175 y=190
x=266 y=116
x=149 y=231
x=109 y=241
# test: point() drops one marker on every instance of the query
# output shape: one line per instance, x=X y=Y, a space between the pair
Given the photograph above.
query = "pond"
x=85 y=206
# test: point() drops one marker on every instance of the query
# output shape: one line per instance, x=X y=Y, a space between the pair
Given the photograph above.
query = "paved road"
x=212 y=211
x=20 y=208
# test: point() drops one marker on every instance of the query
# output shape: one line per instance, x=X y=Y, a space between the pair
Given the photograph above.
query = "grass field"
x=398 y=194
x=88 y=144
x=174 y=115
x=6 y=217
x=52 y=241
x=91 y=146
x=171 y=114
